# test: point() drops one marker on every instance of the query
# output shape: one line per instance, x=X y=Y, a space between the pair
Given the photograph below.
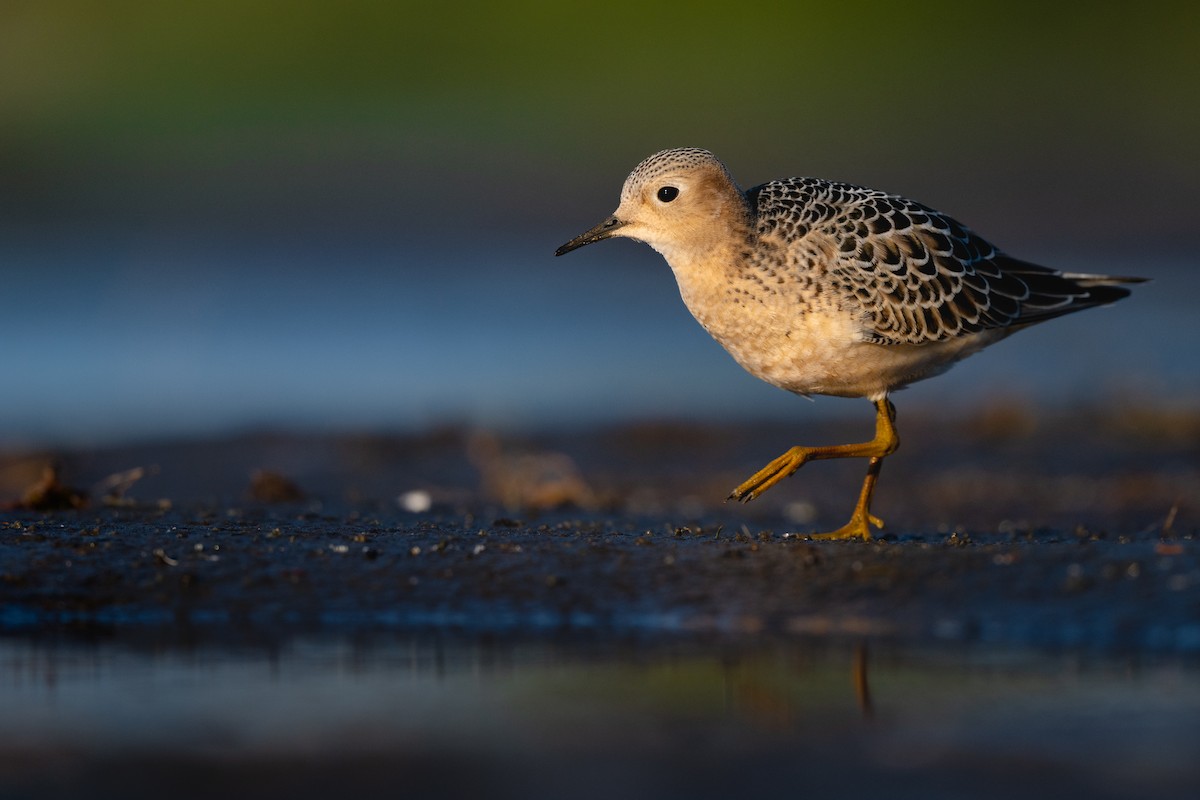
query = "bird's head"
x=676 y=200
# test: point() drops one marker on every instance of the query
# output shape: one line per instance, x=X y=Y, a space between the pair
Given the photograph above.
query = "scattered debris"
x=1168 y=528
x=417 y=501
x=51 y=494
x=114 y=489
x=529 y=481
x=161 y=557
x=267 y=486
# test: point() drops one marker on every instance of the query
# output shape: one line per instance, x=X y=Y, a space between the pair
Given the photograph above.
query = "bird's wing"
x=917 y=275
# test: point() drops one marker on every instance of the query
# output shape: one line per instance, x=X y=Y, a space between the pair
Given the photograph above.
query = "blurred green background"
x=122 y=107
x=190 y=153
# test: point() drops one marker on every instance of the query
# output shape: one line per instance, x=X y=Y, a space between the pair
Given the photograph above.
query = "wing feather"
x=917 y=275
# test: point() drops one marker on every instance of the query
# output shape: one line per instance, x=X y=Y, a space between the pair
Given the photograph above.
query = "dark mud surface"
x=1007 y=527
x=271 y=573
x=580 y=615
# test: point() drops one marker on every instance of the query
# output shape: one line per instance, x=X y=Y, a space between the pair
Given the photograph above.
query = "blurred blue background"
x=342 y=216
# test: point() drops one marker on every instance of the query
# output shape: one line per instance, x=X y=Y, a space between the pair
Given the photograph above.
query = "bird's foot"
x=859 y=527
x=771 y=474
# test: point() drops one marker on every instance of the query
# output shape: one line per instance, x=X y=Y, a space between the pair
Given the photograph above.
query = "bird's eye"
x=668 y=193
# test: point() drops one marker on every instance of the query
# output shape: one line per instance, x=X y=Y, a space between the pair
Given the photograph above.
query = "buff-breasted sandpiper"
x=821 y=287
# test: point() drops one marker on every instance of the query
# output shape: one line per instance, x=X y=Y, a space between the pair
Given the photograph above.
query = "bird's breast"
x=781 y=331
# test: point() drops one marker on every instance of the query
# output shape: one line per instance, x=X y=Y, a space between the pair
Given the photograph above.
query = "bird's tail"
x=1088 y=280
x=1102 y=289
x=1050 y=293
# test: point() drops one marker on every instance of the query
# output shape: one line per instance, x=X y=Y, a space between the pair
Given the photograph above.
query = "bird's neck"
x=707 y=270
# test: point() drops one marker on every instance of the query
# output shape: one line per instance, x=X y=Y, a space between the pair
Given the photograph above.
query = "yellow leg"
x=885 y=442
x=859 y=526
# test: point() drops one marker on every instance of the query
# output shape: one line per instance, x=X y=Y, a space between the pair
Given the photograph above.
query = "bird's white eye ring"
x=668 y=193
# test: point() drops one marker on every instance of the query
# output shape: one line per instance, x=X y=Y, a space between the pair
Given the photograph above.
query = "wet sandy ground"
x=1069 y=537
x=1006 y=527
x=267 y=573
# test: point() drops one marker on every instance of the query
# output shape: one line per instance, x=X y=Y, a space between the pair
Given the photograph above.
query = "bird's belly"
x=825 y=353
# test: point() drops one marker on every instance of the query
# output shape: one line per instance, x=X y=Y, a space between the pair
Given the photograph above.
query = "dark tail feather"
x=1099 y=282
x=1053 y=293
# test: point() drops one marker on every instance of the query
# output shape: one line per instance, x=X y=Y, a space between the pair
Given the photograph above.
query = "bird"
x=822 y=287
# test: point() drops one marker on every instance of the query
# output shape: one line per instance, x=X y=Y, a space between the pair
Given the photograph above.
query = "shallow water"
x=583 y=718
x=170 y=335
